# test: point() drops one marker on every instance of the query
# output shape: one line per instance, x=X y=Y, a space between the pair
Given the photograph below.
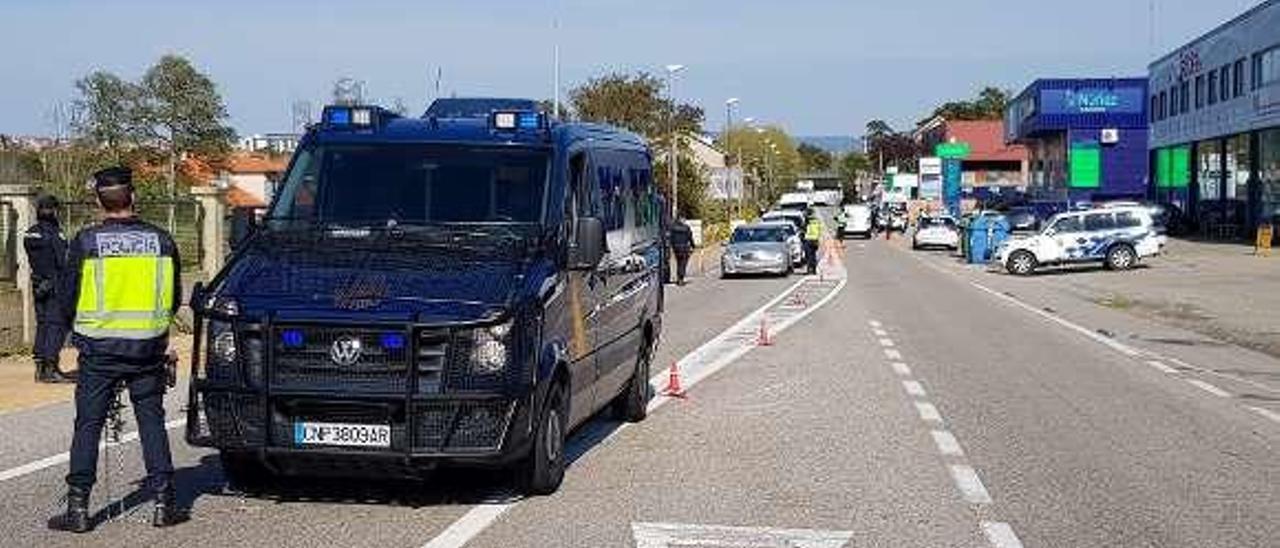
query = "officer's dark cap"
x=47 y=201
x=112 y=176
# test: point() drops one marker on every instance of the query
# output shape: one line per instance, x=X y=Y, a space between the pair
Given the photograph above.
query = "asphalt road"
x=924 y=404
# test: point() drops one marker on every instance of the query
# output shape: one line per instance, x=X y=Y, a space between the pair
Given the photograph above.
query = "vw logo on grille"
x=346 y=350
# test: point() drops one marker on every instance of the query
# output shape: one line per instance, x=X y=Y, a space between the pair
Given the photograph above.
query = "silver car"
x=757 y=248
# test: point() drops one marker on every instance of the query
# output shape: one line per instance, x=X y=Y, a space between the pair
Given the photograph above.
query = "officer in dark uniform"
x=680 y=238
x=122 y=291
x=47 y=255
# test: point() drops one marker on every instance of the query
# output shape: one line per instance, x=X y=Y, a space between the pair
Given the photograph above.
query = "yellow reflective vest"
x=125 y=288
x=813 y=230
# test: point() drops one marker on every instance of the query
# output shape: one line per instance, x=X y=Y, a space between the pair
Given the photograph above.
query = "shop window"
x=1164 y=104
x=1269 y=173
x=1209 y=169
x=1255 y=71
x=1213 y=87
x=1237 y=184
x=1267 y=67
x=1173 y=101
x=1199 y=91
x=1153 y=112
x=1184 y=96
x=1237 y=78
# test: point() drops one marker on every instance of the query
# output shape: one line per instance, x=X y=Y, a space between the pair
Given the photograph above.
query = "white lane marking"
x=1000 y=535
x=1097 y=337
x=1160 y=366
x=481 y=516
x=36 y=466
x=673 y=535
x=901 y=369
x=892 y=354
x=947 y=443
x=880 y=332
x=886 y=342
x=913 y=388
x=969 y=484
x=1209 y=388
x=874 y=323
x=928 y=413
x=1265 y=412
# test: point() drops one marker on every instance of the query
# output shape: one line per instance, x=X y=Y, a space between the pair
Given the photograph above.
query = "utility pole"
x=555 y=69
x=674 y=160
x=728 y=148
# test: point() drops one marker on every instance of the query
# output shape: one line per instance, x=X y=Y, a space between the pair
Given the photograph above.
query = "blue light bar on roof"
x=516 y=120
x=349 y=116
x=337 y=116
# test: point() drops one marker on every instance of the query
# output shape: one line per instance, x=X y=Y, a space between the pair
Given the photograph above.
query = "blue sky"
x=814 y=66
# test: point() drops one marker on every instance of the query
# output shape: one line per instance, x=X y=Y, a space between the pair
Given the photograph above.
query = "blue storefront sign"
x=951 y=184
x=1120 y=100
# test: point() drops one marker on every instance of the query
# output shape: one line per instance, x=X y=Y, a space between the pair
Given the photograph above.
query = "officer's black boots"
x=166 y=512
x=76 y=518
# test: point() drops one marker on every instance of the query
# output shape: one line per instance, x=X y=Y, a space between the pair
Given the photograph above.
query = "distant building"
x=992 y=167
x=1087 y=138
x=1215 y=124
x=278 y=143
x=251 y=178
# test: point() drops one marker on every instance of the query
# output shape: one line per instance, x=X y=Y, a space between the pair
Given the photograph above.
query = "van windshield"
x=380 y=184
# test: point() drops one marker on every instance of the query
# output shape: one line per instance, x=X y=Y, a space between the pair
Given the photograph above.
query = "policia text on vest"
x=122 y=290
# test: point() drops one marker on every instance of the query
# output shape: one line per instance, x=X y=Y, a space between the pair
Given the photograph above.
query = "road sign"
x=951 y=150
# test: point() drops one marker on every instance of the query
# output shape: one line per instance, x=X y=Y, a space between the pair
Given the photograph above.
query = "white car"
x=939 y=231
x=793 y=239
x=1117 y=237
x=857 y=220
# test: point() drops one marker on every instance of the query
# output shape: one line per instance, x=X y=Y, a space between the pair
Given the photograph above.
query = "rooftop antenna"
x=439 y=76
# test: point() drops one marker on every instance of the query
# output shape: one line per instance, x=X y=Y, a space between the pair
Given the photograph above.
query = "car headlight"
x=220 y=359
x=489 y=348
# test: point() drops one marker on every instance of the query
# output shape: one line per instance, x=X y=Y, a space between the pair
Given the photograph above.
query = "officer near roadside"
x=812 y=239
x=680 y=237
x=47 y=254
x=122 y=291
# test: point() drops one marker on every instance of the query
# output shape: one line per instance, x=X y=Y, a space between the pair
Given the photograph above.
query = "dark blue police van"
x=463 y=288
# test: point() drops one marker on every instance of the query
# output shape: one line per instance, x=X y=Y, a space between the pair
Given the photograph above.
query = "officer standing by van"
x=122 y=291
x=812 y=239
x=680 y=237
x=47 y=254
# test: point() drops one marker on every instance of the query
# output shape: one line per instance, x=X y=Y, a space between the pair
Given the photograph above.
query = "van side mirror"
x=244 y=222
x=587 y=249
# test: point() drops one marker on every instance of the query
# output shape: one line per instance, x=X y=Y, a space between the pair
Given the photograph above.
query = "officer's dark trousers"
x=93 y=397
x=682 y=265
x=811 y=255
x=51 y=334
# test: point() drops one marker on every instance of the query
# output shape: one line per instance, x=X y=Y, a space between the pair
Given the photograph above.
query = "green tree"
x=110 y=112
x=852 y=166
x=769 y=160
x=988 y=105
x=884 y=145
x=813 y=158
x=634 y=102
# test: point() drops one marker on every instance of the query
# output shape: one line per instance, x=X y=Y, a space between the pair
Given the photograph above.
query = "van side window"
x=644 y=198
x=1099 y=221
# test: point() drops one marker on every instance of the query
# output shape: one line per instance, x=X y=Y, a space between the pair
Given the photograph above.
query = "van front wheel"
x=542 y=471
x=632 y=405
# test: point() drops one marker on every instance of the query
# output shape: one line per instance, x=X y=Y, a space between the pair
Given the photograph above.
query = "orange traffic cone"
x=763 y=338
x=674 y=390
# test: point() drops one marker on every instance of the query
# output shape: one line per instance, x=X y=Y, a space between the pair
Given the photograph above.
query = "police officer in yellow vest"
x=122 y=291
x=812 y=239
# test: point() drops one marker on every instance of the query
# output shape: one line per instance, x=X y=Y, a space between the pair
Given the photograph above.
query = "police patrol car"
x=1117 y=237
x=462 y=288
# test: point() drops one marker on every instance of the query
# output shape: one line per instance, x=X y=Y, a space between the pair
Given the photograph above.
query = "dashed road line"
x=892 y=354
x=969 y=484
x=928 y=413
x=901 y=369
x=1000 y=535
x=874 y=323
x=1209 y=388
x=880 y=332
x=1265 y=412
x=947 y=443
x=914 y=388
x=886 y=342
x=1161 y=367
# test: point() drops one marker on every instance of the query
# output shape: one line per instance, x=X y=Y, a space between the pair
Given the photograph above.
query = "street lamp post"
x=674 y=159
x=728 y=150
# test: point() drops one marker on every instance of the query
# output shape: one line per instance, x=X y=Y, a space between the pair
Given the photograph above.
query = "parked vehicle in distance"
x=1117 y=237
x=1022 y=219
x=826 y=197
x=893 y=216
x=757 y=248
x=795 y=201
x=936 y=231
x=795 y=217
x=857 y=220
x=794 y=242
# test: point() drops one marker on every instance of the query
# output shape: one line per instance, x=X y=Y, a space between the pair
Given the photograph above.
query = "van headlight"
x=220 y=358
x=490 y=348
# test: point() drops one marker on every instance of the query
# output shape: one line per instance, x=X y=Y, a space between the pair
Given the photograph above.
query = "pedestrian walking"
x=122 y=291
x=47 y=254
x=680 y=237
x=812 y=238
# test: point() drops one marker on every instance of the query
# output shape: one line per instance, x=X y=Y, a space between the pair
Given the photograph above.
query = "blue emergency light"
x=516 y=120
x=348 y=116
x=291 y=338
x=392 y=341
